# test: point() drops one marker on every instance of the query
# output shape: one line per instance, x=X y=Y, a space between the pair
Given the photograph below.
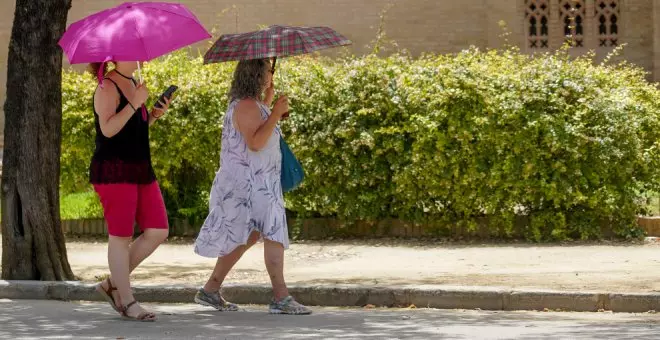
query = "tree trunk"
x=32 y=240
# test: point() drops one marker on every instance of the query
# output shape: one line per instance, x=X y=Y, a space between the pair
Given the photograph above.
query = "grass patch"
x=83 y=205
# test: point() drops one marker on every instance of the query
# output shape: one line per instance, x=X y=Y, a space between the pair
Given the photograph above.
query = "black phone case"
x=168 y=93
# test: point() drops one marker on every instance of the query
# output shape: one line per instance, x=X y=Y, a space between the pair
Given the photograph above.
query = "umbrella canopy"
x=137 y=31
x=274 y=41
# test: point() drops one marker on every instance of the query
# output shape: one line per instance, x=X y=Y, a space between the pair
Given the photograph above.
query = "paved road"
x=65 y=320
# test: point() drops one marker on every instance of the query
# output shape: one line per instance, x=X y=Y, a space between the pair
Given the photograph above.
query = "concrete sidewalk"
x=63 y=320
x=597 y=267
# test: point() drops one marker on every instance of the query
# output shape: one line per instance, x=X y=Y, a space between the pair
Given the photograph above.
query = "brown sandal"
x=107 y=294
x=142 y=317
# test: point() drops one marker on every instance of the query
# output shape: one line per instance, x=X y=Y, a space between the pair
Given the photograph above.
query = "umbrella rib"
x=144 y=46
x=73 y=51
x=168 y=11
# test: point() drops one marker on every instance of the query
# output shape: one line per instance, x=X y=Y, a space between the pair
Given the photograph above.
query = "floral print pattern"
x=246 y=194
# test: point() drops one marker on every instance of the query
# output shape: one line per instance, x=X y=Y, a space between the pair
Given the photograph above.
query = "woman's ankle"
x=212 y=286
x=280 y=294
x=126 y=299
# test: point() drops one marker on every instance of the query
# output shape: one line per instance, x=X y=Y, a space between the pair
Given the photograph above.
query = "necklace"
x=121 y=74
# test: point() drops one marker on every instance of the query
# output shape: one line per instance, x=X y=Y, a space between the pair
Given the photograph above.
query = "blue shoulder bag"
x=292 y=172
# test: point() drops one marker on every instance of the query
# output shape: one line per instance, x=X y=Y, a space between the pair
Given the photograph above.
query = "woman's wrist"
x=155 y=116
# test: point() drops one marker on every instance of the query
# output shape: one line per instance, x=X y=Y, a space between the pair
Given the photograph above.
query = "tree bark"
x=32 y=240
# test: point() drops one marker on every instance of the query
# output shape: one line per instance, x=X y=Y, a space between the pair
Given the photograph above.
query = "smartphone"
x=167 y=94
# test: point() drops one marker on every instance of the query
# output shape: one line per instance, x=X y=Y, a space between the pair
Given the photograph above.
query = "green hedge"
x=569 y=144
x=83 y=205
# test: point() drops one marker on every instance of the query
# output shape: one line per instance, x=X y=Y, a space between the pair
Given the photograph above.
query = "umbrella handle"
x=139 y=72
x=144 y=109
x=272 y=70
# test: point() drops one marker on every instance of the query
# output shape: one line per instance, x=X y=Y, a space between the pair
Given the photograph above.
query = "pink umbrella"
x=133 y=31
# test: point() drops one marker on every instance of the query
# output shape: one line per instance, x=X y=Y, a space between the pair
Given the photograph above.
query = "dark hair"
x=248 y=79
x=93 y=68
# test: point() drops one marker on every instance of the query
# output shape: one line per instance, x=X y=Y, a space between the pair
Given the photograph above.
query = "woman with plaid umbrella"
x=246 y=198
x=246 y=201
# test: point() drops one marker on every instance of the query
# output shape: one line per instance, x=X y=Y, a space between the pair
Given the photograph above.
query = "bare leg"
x=145 y=245
x=139 y=250
x=118 y=261
x=226 y=263
x=274 y=258
x=282 y=303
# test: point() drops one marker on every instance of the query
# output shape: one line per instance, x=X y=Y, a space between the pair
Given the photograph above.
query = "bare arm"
x=106 y=100
x=156 y=113
x=255 y=130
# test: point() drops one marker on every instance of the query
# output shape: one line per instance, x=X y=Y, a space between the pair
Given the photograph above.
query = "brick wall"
x=510 y=12
x=637 y=32
x=441 y=26
x=656 y=41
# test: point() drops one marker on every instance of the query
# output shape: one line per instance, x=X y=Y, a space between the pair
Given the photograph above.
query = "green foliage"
x=80 y=206
x=449 y=139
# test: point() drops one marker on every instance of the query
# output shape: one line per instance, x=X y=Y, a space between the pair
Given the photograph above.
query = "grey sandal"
x=288 y=306
x=214 y=300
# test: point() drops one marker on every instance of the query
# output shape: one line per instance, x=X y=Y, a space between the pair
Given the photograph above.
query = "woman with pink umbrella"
x=121 y=170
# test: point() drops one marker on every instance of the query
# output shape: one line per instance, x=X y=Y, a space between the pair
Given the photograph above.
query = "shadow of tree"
x=171 y=274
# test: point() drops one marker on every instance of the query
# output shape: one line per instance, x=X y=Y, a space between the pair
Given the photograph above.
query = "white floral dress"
x=246 y=195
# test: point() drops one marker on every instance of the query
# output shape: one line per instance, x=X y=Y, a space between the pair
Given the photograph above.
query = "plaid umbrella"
x=274 y=41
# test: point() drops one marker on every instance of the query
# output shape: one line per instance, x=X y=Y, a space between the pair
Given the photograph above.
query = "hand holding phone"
x=167 y=94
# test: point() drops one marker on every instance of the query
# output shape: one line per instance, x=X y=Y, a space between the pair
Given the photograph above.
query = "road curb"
x=422 y=296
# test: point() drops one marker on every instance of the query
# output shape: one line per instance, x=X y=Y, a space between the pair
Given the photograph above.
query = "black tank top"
x=124 y=157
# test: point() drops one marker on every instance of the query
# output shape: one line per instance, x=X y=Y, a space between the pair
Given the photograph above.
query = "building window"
x=607 y=18
x=572 y=14
x=572 y=19
x=537 y=19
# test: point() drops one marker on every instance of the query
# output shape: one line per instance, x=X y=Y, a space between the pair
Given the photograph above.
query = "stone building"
x=440 y=26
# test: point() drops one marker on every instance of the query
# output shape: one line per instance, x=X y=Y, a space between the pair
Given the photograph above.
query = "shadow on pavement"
x=61 y=320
